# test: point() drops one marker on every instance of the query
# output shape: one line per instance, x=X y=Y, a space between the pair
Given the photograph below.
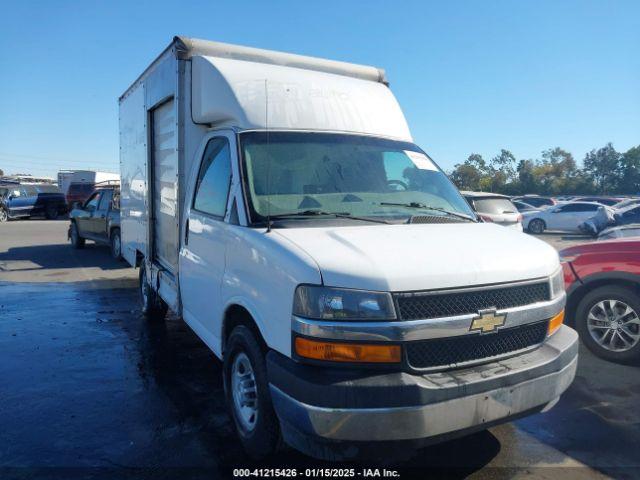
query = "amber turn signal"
x=347 y=352
x=555 y=323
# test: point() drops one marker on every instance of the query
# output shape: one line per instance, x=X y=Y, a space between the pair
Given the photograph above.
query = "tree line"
x=604 y=171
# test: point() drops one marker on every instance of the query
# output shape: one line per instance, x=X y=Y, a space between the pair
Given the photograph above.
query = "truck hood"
x=423 y=257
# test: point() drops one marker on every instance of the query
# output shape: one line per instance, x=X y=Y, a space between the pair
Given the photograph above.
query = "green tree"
x=1 y=173
x=505 y=165
x=603 y=167
x=527 y=179
x=629 y=182
x=469 y=175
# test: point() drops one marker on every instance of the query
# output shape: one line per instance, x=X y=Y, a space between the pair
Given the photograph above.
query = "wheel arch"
x=237 y=314
x=597 y=280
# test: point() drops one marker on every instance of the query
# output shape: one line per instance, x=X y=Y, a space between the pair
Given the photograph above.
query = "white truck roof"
x=249 y=88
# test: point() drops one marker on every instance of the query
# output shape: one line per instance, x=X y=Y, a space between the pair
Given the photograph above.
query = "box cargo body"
x=162 y=126
x=67 y=177
x=278 y=204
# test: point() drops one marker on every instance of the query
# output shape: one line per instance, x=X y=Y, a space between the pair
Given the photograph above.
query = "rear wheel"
x=608 y=320
x=116 y=245
x=247 y=394
x=152 y=306
x=537 y=226
x=51 y=212
x=77 y=241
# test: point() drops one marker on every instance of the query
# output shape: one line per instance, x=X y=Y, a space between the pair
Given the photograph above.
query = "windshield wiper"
x=322 y=213
x=428 y=207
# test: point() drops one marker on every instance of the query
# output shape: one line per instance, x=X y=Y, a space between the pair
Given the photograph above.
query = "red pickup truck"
x=602 y=280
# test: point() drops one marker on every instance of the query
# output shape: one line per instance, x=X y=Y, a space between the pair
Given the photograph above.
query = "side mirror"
x=76 y=206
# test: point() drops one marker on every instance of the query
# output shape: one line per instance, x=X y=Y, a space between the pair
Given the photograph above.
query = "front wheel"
x=152 y=306
x=4 y=216
x=536 y=226
x=608 y=320
x=77 y=241
x=247 y=394
x=116 y=245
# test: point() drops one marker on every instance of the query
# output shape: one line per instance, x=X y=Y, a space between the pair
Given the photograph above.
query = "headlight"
x=557 y=284
x=328 y=303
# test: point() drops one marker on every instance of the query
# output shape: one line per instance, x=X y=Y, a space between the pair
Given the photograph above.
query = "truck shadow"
x=56 y=257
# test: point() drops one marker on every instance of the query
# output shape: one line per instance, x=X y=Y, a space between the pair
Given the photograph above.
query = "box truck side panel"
x=133 y=169
x=164 y=160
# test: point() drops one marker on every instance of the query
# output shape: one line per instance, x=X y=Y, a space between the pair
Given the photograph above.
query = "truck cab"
x=98 y=219
x=279 y=205
x=24 y=200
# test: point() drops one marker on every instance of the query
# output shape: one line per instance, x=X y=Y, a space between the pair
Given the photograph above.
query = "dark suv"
x=98 y=219
x=25 y=200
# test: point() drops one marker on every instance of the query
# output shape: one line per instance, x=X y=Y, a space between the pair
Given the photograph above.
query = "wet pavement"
x=88 y=389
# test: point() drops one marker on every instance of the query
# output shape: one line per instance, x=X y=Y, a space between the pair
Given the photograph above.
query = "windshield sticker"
x=421 y=161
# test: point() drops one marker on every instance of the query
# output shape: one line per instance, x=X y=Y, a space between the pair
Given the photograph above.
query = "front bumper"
x=338 y=405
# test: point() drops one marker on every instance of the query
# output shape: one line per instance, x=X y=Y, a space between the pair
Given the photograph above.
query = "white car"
x=564 y=217
x=495 y=208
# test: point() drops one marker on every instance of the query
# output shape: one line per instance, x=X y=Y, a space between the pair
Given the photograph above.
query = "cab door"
x=206 y=235
x=85 y=216
x=561 y=217
x=99 y=218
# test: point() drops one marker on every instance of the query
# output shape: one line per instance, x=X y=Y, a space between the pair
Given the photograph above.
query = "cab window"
x=92 y=203
x=214 y=179
x=105 y=200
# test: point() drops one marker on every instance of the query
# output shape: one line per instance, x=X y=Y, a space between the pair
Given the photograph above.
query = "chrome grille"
x=423 y=305
x=446 y=352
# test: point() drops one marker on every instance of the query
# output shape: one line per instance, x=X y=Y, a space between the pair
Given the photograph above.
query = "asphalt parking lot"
x=88 y=389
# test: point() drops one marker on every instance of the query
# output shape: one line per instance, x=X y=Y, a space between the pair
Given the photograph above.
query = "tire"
x=116 y=244
x=260 y=437
x=51 y=212
x=536 y=226
x=4 y=216
x=152 y=306
x=77 y=241
x=591 y=319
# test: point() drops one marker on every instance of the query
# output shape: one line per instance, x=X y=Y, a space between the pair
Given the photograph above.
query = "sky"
x=471 y=76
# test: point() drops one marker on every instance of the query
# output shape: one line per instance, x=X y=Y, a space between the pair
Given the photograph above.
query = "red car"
x=602 y=280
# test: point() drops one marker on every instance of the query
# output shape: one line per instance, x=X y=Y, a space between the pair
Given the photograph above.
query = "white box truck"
x=278 y=204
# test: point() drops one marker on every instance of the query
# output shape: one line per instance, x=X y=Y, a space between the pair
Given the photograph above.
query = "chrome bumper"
x=462 y=399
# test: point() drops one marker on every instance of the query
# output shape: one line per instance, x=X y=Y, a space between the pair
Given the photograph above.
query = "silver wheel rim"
x=244 y=392
x=3 y=215
x=614 y=325
x=537 y=226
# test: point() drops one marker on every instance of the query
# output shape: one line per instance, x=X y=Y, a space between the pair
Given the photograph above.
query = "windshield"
x=292 y=172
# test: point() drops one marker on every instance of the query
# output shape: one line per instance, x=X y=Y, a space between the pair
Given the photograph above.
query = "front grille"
x=467 y=348
x=435 y=219
x=416 y=306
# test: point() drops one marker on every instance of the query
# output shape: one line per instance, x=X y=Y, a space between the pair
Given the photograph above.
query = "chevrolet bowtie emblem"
x=488 y=321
